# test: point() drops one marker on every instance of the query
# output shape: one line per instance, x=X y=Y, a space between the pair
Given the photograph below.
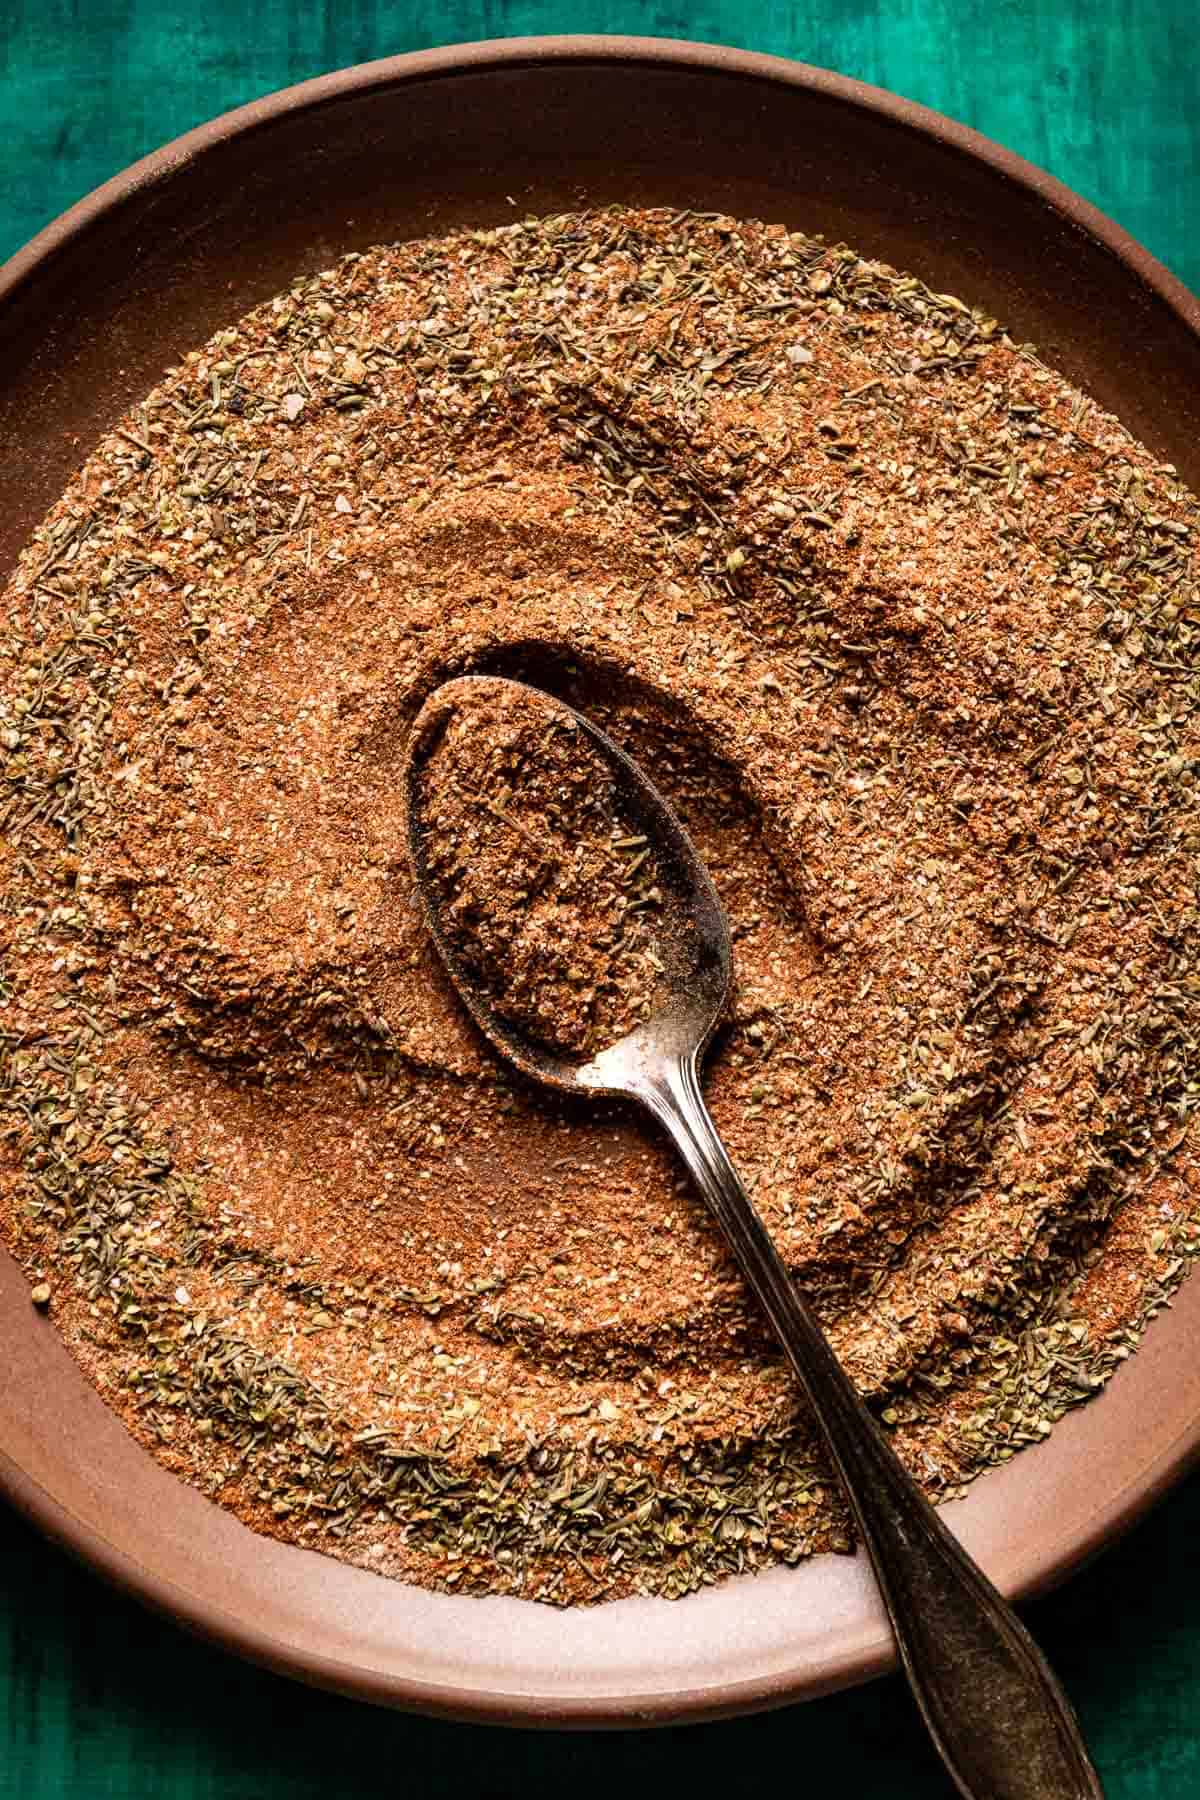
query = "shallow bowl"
x=187 y=240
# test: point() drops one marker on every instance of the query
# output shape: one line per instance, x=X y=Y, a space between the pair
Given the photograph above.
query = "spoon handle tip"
x=998 y=1716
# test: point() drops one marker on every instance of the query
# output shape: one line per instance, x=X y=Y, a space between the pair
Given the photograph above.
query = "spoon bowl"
x=700 y=972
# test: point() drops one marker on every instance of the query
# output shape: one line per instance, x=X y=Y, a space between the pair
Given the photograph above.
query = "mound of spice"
x=541 y=889
x=903 y=625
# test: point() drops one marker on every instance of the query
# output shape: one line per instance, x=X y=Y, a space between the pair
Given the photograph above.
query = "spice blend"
x=902 y=624
x=541 y=889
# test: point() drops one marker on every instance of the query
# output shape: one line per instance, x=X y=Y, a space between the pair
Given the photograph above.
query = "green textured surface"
x=1101 y=92
x=96 y=1697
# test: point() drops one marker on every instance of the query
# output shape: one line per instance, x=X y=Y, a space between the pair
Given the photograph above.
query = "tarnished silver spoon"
x=1001 y=1722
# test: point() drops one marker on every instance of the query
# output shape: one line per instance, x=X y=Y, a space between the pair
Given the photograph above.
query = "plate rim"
x=487 y=53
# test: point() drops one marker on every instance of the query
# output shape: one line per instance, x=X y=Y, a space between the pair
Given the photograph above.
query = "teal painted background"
x=1104 y=93
x=98 y=1699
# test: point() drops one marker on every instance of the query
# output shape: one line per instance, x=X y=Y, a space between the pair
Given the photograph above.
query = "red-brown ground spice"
x=540 y=884
x=901 y=623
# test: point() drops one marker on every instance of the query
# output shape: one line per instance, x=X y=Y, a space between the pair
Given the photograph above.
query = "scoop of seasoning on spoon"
x=588 y=943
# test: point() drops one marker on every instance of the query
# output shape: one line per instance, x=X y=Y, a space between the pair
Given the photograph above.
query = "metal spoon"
x=1001 y=1722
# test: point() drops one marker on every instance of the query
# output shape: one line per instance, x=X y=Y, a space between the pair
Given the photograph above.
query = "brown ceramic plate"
x=189 y=239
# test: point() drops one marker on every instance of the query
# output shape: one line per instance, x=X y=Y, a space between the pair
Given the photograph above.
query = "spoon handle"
x=1001 y=1722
